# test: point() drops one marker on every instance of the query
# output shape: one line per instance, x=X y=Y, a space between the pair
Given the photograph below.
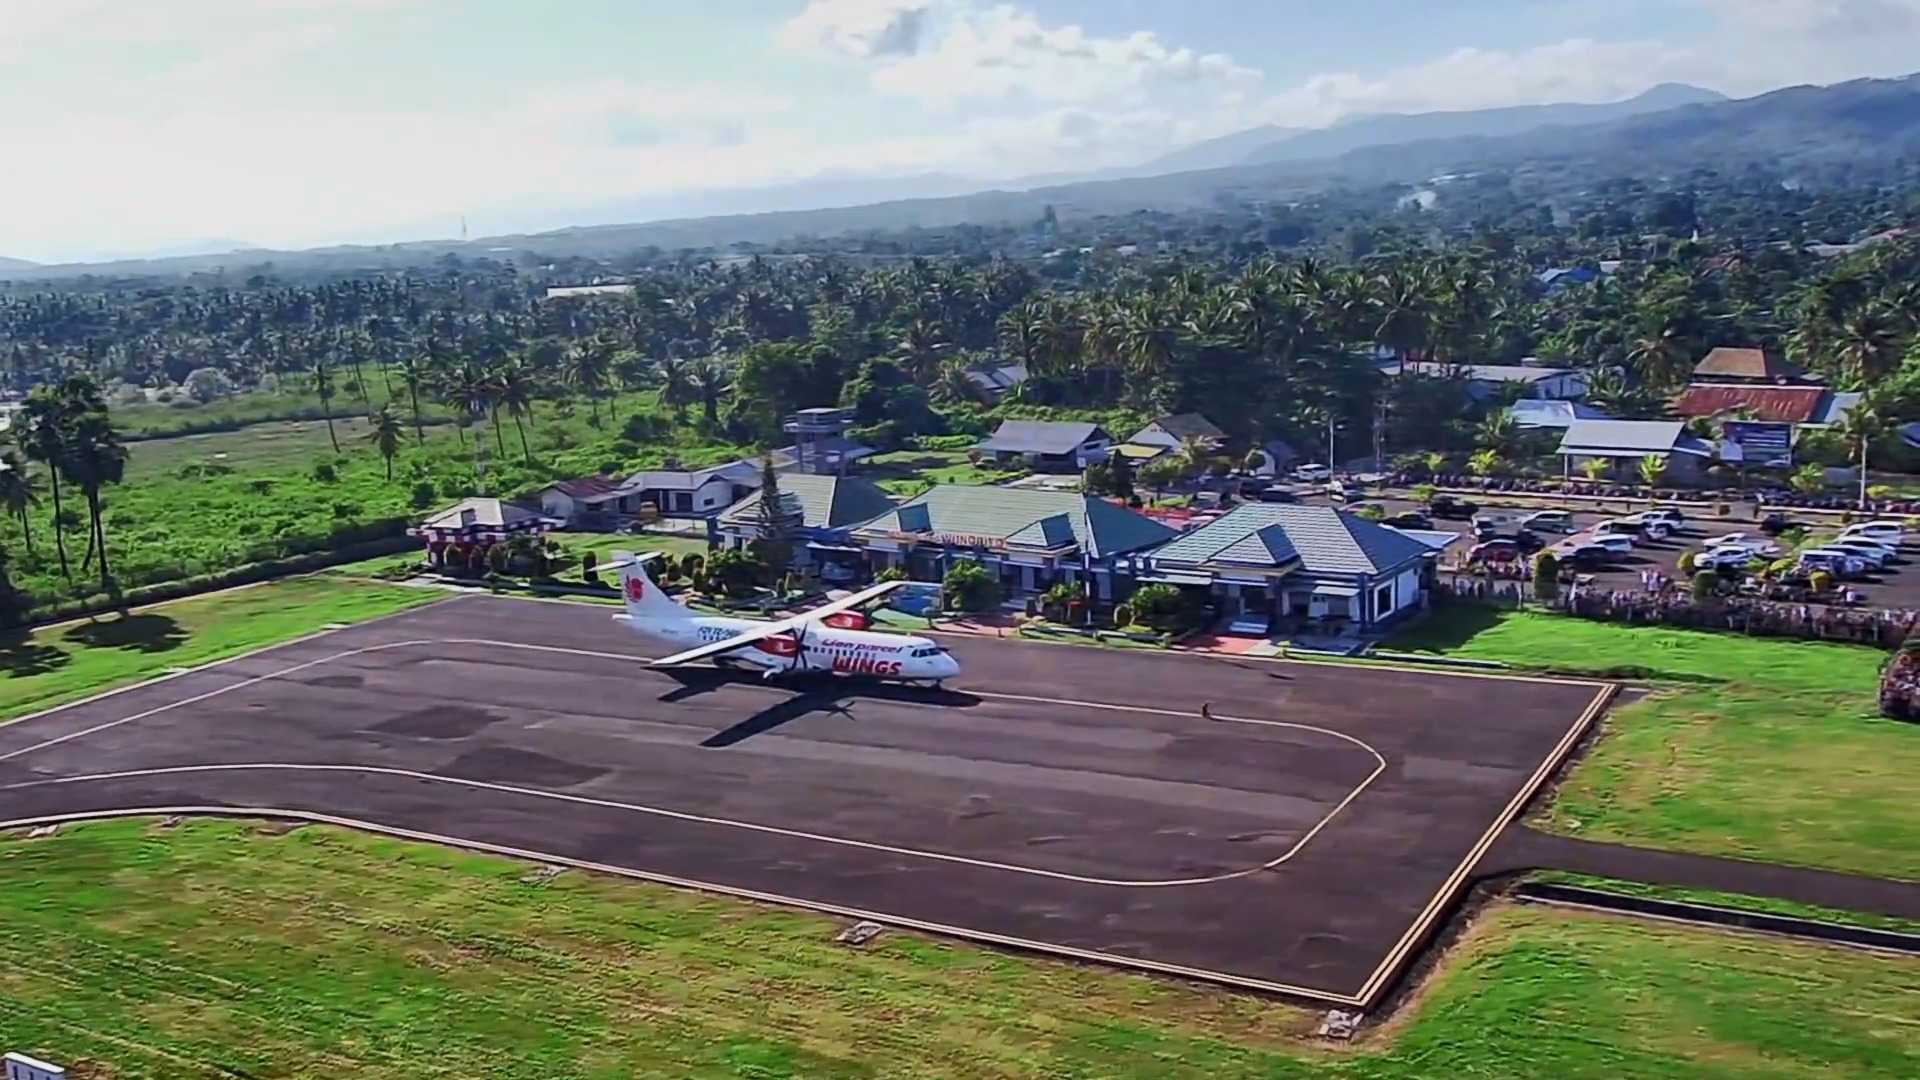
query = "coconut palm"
x=1862 y=424
x=414 y=374
x=19 y=492
x=1485 y=463
x=516 y=390
x=95 y=458
x=385 y=435
x=320 y=375
x=1594 y=468
x=44 y=438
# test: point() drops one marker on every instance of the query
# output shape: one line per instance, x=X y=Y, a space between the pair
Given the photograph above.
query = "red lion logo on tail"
x=636 y=588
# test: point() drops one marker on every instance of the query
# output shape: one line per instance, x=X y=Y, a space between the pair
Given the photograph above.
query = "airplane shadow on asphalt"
x=816 y=694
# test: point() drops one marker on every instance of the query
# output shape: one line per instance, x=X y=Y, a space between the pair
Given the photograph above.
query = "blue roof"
x=1324 y=540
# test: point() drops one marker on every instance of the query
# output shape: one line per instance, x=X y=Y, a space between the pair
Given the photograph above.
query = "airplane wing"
x=780 y=626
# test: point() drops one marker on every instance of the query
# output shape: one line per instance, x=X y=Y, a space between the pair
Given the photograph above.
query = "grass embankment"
x=1734 y=901
x=911 y=472
x=60 y=663
x=221 y=948
x=1764 y=749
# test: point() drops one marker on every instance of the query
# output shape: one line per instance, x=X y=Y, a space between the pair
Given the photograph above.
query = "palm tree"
x=589 y=366
x=1594 y=468
x=385 y=435
x=710 y=379
x=1809 y=479
x=517 y=392
x=1652 y=468
x=1862 y=424
x=676 y=387
x=1497 y=431
x=95 y=458
x=954 y=384
x=321 y=375
x=413 y=375
x=44 y=439
x=1485 y=463
x=19 y=492
x=1866 y=345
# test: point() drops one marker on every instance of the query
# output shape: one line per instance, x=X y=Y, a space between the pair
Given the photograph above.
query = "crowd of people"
x=1885 y=627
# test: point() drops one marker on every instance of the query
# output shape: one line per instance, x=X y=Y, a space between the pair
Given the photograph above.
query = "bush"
x=1820 y=581
x=1704 y=584
x=969 y=587
x=893 y=573
x=1122 y=617
x=1158 y=607
x=1685 y=562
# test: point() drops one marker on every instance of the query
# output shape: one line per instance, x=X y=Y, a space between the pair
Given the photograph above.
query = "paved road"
x=1061 y=795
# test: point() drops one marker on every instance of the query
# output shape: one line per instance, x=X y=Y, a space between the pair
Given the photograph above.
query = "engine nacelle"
x=847 y=620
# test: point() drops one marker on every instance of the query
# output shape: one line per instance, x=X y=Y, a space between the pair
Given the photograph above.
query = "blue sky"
x=131 y=125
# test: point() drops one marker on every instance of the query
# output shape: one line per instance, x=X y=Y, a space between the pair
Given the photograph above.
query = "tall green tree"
x=19 y=492
x=385 y=434
x=320 y=376
x=45 y=438
x=95 y=459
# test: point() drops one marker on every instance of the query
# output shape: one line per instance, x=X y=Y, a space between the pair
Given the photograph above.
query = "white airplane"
x=829 y=638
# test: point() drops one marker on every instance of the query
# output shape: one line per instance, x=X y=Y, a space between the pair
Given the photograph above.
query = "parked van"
x=1840 y=564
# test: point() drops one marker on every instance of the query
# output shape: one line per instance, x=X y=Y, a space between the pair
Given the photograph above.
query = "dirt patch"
x=449 y=722
x=521 y=768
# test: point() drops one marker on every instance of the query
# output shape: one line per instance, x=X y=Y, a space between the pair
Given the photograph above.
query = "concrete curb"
x=1576 y=896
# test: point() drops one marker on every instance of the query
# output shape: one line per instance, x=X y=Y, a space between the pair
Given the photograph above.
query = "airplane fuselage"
x=827 y=648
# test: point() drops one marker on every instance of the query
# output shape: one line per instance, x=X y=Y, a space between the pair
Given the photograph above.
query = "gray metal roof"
x=1324 y=540
x=1621 y=438
x=823 y=502
x=1023 y=516
x=738 y=472
x=1040 y=437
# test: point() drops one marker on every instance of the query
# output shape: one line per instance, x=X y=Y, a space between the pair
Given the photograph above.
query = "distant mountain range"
x=1667 y=131
x=15 y=264
x=1267 y=145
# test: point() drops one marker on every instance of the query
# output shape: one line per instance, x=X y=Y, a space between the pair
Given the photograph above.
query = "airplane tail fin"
x=644 y=599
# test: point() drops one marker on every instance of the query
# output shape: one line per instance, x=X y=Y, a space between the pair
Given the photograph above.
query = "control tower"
x=820 y=440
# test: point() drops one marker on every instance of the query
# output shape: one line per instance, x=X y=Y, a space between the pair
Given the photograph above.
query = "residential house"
x=1485 y=381
x=818 y=514
x=1288 y=562
x=1800 y=406
x=1535 y=413
x=1174 y=431
x=473 y=525
x=995 y=381
x=560 y=292
x=1622 y=444
x=1748 y=367
x=1030 y=538
x=598 y=502
x=1051 y=445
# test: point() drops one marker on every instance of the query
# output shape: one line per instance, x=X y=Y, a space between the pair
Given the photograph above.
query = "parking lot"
x=1897 y=585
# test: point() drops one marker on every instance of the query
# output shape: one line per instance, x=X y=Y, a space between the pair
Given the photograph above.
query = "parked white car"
x=1891 y=532
x=1668 y=514
x=1876 y=554
x=1617 y=543
x=1554 y=521
x=1840 y=564
x=1651 y=524
x=1726 y=557
x=1751 y=543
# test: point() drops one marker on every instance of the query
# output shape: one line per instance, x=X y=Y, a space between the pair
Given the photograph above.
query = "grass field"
x=71 y=660
x=1765 y=749
x=229 y=949
x=910 y=472
x=265 y=447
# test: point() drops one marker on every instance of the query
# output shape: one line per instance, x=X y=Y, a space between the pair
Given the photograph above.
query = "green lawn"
x=910 y=472
x=228 y=948
x=71 y=660
x=276 y=445
x=1764 y=749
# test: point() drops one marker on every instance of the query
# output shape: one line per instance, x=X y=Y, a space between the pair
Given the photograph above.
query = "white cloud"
x=1578 y=70
x=949 y=53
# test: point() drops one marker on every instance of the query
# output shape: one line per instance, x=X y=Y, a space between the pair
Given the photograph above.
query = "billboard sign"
x=1756 y=442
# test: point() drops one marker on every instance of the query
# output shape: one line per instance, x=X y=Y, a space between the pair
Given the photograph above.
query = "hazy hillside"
x=7 y=264
x=1807 y=134
x=1394 y=128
